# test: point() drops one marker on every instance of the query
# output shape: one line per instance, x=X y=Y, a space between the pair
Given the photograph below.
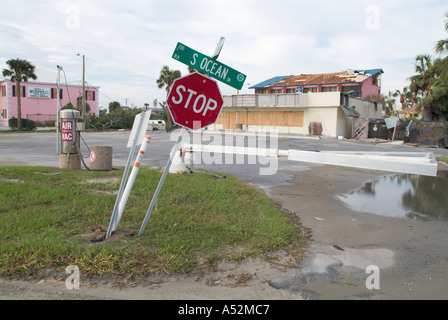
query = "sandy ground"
x=411 y=256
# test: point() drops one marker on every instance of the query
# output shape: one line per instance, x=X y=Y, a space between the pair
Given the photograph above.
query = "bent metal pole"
x=138 y=122
x=162 y=180
x=130 y=183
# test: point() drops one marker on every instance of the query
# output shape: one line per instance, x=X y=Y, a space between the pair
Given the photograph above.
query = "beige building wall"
x=292 y=113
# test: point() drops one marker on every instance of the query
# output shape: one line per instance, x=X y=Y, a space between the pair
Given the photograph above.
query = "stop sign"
x=195 y=101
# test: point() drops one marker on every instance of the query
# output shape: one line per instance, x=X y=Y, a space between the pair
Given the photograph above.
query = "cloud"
x=127 y=43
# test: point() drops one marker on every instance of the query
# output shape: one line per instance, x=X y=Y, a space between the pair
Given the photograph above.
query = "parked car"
x=156 y=125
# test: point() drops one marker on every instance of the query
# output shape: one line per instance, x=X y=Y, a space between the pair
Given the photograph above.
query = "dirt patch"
x=12 y=180
x=103 y=180
x=98 y=235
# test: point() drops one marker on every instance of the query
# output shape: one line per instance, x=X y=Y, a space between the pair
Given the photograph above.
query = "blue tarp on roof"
x=370 y=71
x=268 y=82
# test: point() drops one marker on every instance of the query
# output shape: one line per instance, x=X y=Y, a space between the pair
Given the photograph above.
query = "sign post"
x=195 y=101
x=137 y=134
x=218 y=48
x=131 y=181
x=161 y=182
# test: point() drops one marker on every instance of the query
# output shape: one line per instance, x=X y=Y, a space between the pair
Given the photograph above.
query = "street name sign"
x=209 y=66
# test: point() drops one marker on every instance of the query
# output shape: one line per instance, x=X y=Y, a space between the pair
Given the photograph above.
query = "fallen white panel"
x=411 y=163
x=231 y=149
x=400 y=162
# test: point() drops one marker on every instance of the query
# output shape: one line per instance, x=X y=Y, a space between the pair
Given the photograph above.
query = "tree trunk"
x=170 y=122
x=19 y=107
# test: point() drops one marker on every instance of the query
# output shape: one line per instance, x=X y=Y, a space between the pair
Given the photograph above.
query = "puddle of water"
x=404 y=196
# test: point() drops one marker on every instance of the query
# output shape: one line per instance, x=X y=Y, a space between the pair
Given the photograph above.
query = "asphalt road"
x=412 y=255
x=40 y=149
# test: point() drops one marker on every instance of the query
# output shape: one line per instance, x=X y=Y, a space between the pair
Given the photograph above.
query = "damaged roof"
x=350 y=76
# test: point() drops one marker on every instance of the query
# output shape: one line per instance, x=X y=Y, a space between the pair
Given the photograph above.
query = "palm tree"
x=19 y=70
x=389 y=100
x=442 y=47
x=406 y=97
x=427 y=83
x=166 y=79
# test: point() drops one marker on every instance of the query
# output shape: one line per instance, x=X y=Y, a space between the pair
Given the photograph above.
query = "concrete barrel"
x=100 y=158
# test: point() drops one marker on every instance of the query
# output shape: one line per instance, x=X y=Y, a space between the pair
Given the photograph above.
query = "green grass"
x=443 y=159
x=51 y=218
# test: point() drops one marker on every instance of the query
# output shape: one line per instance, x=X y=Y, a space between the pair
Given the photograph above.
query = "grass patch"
x=443 y=159
x=51 y=218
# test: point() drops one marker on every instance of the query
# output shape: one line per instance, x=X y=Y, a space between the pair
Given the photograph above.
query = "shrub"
x=27 y=125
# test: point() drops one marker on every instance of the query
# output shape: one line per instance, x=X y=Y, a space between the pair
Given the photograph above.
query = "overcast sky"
x=126 y=43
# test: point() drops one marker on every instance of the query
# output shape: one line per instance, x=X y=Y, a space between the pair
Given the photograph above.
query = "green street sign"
x=209 y=66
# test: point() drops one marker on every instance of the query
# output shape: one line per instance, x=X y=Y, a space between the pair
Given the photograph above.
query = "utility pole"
x=58 y=105
x=83 y=97
x=84 y=88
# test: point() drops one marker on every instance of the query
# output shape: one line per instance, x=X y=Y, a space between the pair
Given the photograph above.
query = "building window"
x=329 y=89
x=54 y=93
x=376 y=80
x=90 y=95
x=3 y=91
x=291 y=90
x=261 y=91
x=276 y=90
x=354 y=91
x=4 y=114
x=14 y=91
x=308 y=90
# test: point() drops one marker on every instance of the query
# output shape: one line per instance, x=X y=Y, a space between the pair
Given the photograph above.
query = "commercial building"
x=359 y=83
x=318 y=105
x=39 y=100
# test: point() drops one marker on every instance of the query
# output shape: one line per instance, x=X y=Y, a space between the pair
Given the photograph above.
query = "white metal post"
x=130 y=183
x=162 y=180
x=139 y=122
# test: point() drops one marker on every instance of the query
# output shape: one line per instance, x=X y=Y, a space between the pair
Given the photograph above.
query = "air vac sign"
x=67 y=130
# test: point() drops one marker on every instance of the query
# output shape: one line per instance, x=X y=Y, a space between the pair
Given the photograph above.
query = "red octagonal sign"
x=195 y=101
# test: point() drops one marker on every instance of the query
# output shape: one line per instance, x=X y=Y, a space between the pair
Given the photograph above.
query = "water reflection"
x=404 y=195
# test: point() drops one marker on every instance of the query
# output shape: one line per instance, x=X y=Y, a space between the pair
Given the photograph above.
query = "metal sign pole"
x=180 y=54
x=131 y=181
x=58 y=106
x=120 y=193
x=161 y=182
x=135 y=137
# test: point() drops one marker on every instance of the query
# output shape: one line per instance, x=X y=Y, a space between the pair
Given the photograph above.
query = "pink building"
x=358 y=83
x=39 y=100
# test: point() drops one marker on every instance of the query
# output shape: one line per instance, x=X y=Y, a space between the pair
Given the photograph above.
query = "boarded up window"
x=261 y=118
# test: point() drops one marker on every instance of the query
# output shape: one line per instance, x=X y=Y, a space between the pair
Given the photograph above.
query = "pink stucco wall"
x=369 y=87
x=41 y=105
